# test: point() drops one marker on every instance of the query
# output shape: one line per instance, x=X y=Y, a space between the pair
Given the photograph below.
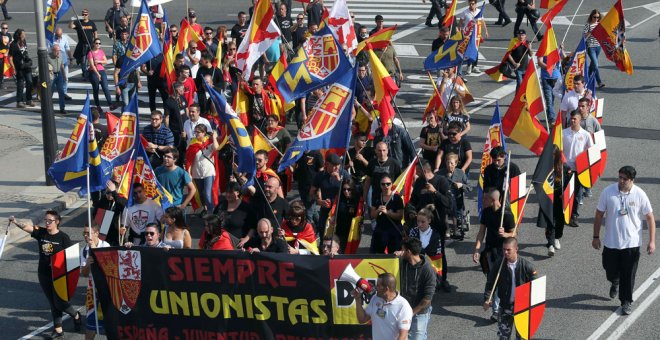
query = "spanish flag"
x=65 y=266
x=557 y=136
x=611 y=34
x=260 y=142
x=8 y=70
x=404 y=183
x=187 y=35
x=551 y=4
x=167 y=71
x=494 y=72
x=241 y=105
x=385 y=88
x=355 y=233
x=568 y=198
x=519 y=122
x=554 y=7
x=436 y=262
x=281 y=106
x=517 y=194
x=548 y=48
x=449 y=16
x=380 y=39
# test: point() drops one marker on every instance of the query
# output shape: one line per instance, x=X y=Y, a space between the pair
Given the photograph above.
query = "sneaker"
x=495 y=317
x=557 y=244
x=445 y=286
x=63 y=112
x=614 y=290
x=30 y=104
x=573 y=223
x=468 y=69
x=20 y=105
x=56 y=335
x=77 y=323
x=581 y=201
x=506 y=23
x=551 y=251
x=587 y=193
x=475 y=69
x=626 y=308
x=67 y=97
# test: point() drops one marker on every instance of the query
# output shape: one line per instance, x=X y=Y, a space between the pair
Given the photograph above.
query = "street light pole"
x=47 y=116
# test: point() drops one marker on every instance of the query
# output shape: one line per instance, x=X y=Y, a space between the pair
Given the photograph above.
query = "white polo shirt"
x=387 y=319
x=575 y=142
x=623 y=231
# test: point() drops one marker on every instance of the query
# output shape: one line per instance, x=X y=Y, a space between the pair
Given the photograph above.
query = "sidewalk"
x=23 y=190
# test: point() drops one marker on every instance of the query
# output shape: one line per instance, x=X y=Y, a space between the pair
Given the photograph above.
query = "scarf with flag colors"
x=54 y=12
x=194 y=147
x=65 y=266
x=494 y=72
x=544 y=181
x=519 y=122
x=517 y=196
x=355 y=231
x=80 y=156
x=237 y=132
x=494 y=138
x=448 y=20
x=548 y=48
x=568 y=197
x=144 y=44
x=385 y=89
x=305 y=238
x=611 y=34
x=319 y=62
x=378 y=40
x=340 y=22
x=328 y=124
x=461 y=47
x=261 y=33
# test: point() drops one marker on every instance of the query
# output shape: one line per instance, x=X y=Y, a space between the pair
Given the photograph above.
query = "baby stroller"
x=458 y=213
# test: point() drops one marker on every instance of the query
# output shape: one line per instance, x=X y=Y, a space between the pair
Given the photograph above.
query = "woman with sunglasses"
x=97 y=75
x=387 y=211
x=297 y=232
x=176 y=231
x=22 y=64
x=51 y=241
x=214 y=236
x=348 y=208
x=593 y=46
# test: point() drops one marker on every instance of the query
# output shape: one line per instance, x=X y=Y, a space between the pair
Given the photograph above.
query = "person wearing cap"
x=326 y=186
x=192 y=18
x=86 y=32
x=113 y=18
x=519 y=56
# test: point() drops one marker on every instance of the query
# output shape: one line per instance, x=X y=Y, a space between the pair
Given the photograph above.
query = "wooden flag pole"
x=506 y=191
x=522 y=211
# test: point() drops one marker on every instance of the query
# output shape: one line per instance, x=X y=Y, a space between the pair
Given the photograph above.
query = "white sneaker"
x=468 y=69
x=476 y=69
x=557 y=244
x=551 y=251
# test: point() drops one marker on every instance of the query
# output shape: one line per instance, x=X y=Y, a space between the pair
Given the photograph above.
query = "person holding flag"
x=554 y=229
x=472 y=13
x=495 y=172
x=94 y=320
x=51 y=241
x=575 y=140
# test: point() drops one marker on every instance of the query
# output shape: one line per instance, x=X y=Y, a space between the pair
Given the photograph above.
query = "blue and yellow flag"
x=578 y=65
x=460 y=47
x=494 y=138
x=140 y=171
x=320 y=61
x=80 y=154
x=144 y=44
x=329 y=123
x=238 y=133
x=54 y=11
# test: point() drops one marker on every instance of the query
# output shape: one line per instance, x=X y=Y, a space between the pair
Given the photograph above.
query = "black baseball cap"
x=333 y=159
x=521 y=31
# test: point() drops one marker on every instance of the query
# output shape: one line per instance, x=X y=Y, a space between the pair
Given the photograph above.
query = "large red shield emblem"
x=122 y=140
x=123 y=272
x=141 y=38
x=325 y=114
x=74 y=140
x=322 y=53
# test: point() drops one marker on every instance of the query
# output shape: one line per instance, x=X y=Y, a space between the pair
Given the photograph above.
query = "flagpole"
x=573 y=18
x=545 y=107
x=96 y=309
x=522 y=211
x=89 y=198
x=121 y=181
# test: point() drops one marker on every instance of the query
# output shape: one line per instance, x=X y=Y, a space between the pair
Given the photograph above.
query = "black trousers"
x=57 y=306
x=154 y=85
x=520 y=14
x=436 y=10
x=621 y=267
x=499 y=7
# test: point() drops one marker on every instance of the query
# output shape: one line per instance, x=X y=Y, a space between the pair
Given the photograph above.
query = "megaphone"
x=361 y=285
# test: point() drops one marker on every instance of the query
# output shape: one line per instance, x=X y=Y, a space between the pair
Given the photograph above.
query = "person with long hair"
x=239 y=220
x=456 y=112
x=51 y=241
x=387 y=211
x=22 y=64
x=430 y=137
x=200 y=163
x=347 y=208
x=297 y=231
x=554 y=229
x=97 y=76
x=593 y=46
x=214 y=236
x=177 y=234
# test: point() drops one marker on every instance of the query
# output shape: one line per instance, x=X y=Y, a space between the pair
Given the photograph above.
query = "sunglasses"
x=346 y=189
x=47 y=221
x=295 y=218
x=453 y=134
x=173 y=31
x=299 y=18
x=386 y=184
x=97 y=43
x=232 y=49
x=150 y=233
x=85 y=14
x=5 y=28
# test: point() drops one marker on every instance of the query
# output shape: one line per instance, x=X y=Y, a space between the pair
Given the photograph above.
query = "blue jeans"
x=593 y=53
x=205 y=187
x=126 y=94
x=58 y=83
x=95 y=87
x=520 y=74
x=419 y=324
x=546 y=86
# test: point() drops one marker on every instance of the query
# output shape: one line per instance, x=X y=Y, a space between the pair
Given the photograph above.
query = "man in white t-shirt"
x=143 y=211
x=390 y=314
x=624 y=206
x=195 y=119
x=570 y=101
x=576 y=140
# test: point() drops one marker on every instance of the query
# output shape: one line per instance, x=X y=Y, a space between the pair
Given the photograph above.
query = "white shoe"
x=557 y=244
x=551 y=251
x=476 y=69
x=468 y=69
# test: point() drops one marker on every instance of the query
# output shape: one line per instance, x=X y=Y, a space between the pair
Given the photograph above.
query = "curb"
x=59 y=204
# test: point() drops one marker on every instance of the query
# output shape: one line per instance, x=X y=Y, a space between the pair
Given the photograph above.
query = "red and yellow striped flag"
x=548 y=48
x=9 y=71
x=404 y=183
x=380 y=39
x=449 y=16
x=611 y=34
x=494 y=72
x=436 y=262
x=385 y=89
x=187 y=35
x=549 y=4
x=355 y=233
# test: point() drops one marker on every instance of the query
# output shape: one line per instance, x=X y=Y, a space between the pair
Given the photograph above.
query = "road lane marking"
x=630 y=319
x=47 y=326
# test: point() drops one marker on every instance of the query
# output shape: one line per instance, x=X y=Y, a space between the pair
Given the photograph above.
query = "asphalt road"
x=577 y=301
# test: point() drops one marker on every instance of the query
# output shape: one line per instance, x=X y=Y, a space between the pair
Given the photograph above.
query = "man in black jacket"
x=515 y=270
x=417 y=285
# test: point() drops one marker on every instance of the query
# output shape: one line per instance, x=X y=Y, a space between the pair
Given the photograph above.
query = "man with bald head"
x=379 y=167
x=56 y=67
x=262 y=207
x=266 y=240
x=65 y=52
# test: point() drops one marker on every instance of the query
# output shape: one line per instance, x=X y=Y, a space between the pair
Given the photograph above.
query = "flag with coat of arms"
x=143 y=45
